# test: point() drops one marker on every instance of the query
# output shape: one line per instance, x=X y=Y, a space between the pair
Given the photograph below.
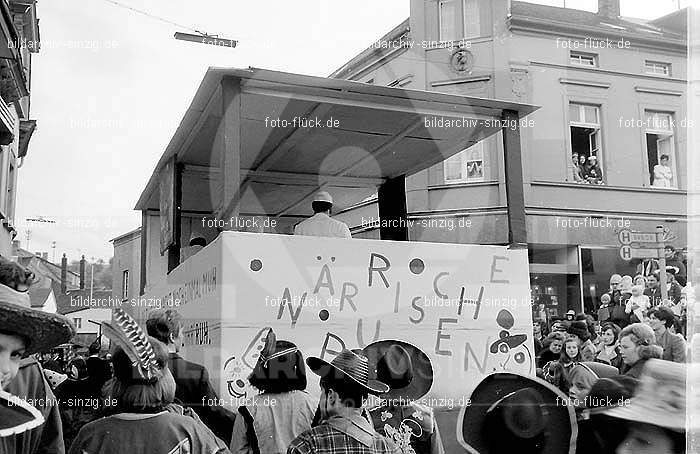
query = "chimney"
x=609 y=8
x=82 y=273
x=15 y=247
x=64 y=273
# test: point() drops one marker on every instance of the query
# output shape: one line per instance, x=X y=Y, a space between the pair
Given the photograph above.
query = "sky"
x=110 y=86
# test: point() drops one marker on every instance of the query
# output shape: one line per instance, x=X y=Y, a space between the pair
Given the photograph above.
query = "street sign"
x=628 y=253
x=627 y=237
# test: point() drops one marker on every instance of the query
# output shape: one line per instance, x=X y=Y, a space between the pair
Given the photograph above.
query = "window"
x=472 y=25
x=657 y=68
x=585 y=160
x=125 y=284
x=583 y=59
x=466 y=166
x=660 y=144
x=449 y=19
x=458 y=19
x=76 y=322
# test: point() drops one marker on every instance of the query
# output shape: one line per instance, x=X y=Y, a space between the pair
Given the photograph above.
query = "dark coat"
x=30 y=384
x=193 y=389
x=634 y=371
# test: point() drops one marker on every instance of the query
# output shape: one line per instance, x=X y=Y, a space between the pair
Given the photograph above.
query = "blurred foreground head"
x=519 y=414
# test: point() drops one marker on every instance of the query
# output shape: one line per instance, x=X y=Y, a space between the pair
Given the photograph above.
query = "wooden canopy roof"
x=357 y=137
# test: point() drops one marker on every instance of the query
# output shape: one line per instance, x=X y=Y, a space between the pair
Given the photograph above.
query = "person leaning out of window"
x=575 y=169
x=591 y=171
x=663 y=175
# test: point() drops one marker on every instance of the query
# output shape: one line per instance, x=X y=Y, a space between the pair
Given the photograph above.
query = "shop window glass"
x=552 y=295
x=584 y=126
x=661 y=149
x=597 y=265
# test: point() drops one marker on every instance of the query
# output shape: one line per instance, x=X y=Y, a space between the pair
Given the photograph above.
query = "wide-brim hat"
x=41 y=330
x=511 y=408
x=660 y=398
x=349 y=365
x=17 y=416
x=422 y=379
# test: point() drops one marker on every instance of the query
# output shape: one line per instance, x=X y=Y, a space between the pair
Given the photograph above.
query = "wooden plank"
x=205 y=172
x=208 y=110
x=230 y=158
x=267 y=78
x=515 y=192
x=385 y=148
x=378 y=151
x=294 y=138
x=389 y=104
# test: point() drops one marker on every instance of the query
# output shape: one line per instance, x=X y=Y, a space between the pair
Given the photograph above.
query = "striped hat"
x=348 y=364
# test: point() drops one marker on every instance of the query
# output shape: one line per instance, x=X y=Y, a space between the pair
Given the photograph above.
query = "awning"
x=356 y=137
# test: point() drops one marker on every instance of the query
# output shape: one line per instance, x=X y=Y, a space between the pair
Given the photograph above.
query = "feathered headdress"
x=126 y=333
x=268 y=351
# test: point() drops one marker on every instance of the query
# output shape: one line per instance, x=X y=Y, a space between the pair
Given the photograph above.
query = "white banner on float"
x=466 y=306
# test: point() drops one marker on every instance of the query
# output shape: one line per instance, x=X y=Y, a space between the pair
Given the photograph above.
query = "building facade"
x=126 y=267
x=609 y=87
x=19 y=39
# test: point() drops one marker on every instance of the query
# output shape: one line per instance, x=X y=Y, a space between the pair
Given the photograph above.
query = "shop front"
x=571 y=264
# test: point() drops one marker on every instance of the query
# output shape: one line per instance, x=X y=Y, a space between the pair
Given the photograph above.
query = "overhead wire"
x=159 y=18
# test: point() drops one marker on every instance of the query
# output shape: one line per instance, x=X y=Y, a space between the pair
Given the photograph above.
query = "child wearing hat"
x=399 y=416
x=23 y=332
x=345 y=385
x=283 y=410
x=143 y=390
x=579 y=330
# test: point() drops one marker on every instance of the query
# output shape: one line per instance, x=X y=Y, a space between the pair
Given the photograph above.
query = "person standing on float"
x=321 y=223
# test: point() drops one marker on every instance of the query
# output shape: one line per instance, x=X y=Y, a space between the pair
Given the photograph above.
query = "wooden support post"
x=144 y=252
x=662 y=262
x=393 y=213
x=515 y=192
x=174 y=249
x=230 y=153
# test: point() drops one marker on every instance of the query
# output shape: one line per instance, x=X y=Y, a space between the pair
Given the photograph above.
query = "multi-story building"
x=609 y=87
x=19 y=39
x=126 y=267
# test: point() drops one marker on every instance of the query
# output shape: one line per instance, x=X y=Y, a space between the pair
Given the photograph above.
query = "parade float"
x=240 y=172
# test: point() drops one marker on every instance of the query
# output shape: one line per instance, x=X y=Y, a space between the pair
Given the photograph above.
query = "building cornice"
x=541 y=27
x=373 y=54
